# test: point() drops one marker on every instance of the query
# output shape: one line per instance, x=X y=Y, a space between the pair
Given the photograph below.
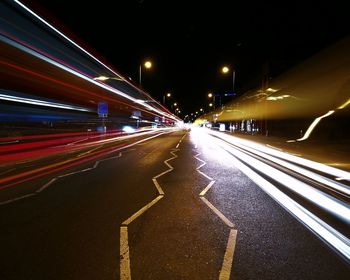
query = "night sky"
x=188 y=41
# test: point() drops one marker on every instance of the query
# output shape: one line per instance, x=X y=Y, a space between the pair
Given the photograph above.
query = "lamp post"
x=166 y=95
x=225 y=70
x=147 y=65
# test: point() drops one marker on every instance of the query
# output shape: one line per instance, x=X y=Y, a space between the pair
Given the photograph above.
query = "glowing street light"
x=166 y=95
x=225 y=70
x=211 y=95
x=147 y=65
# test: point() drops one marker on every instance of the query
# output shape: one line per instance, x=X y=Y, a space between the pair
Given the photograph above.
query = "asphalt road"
x=172 y=207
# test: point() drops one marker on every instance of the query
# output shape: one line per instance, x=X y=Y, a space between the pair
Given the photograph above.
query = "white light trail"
x=313 y=125
x=91 y=80
x=41 y=103
x=243 y=161
x=329 y=170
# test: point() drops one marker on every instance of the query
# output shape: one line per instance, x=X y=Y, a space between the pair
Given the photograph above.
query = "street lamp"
x=166 y=95
x=210 y=95
x=173 y=105
x=225 y=70
x=147 y=65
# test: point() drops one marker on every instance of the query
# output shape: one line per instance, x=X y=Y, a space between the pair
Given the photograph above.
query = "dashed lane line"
x=178 y=144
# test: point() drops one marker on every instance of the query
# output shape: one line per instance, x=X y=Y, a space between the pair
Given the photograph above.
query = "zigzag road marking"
x=49 y=183
x=225 y=271
x=125 y=271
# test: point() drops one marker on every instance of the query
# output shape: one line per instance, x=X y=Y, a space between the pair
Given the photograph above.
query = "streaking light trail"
x=254 y=160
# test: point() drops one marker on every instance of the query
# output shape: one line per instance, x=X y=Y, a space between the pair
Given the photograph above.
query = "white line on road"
x=203 y=192
x=142 y=210
x=46 y=185
x=228 y=258
x=17 y=198
x=160 y=190
x=125 y=273
x=225 y=271
x=178 y=144
x=217 y=212
x=161 y=174
x=49 y=183
x=205 y=175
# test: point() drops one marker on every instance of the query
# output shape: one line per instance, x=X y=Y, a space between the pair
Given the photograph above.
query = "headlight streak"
x=331 y=235
x=65 y=37
x=78 y=74
x=38 y=172
x=317 y=197
x=70 y=86
x=42 y=103
x=16 y=153
x=334 y=186
x=90 y=79
x=329 y=170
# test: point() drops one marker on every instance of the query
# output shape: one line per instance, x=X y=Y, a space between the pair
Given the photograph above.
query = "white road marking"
x=178 y=144
x=203 y=192
x=226 y=267
x=228 y=258
x=7 y=171
x=142 y=210
x=87 y=169
x=203 y=163
x=49 y=183
x=160 y=191
x=166 y=161
x=125 y=273
x=17 y=198
x=217 y=212
x=161 y=174
x=205 y=175
x=46 y=185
